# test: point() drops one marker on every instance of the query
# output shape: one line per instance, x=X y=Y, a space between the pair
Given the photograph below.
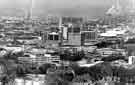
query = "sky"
x=88 y=8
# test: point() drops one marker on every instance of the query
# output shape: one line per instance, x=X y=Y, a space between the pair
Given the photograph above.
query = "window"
x=90 y=35
x=76 y=29
x=56 y=37
x=50 y=37
x=26 y=55
x=53 y=37
x=70 y=29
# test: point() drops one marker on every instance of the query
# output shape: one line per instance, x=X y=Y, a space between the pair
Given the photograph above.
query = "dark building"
x=87 y=37
x=130 y=47
x=75 y=20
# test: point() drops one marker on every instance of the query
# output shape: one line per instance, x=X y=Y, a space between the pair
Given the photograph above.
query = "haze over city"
x=89 y=8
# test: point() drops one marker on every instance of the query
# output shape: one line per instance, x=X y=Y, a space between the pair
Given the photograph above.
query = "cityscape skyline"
x=67 y=42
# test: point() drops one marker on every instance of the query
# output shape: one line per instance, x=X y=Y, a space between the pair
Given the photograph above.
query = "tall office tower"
x=60 y=23
x=131 y=6
x=133 y=1
x=131 y=11
x=29 y=7
x=65 y=33
x=118 y=4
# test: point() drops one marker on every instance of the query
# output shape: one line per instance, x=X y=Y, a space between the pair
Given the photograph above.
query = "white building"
x=131 y=60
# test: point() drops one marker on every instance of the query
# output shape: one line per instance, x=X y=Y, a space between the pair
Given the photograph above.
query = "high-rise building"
x=65 y=33
x=52 y=20
x=131 y=60
x=74 y=39
x=28 y=11
x=70 y=28
x=44 y=36
x=73 y=23
x=72 y=20
x=132 y=6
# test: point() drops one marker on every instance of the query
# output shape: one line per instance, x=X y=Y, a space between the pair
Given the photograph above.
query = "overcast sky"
x=90 y=8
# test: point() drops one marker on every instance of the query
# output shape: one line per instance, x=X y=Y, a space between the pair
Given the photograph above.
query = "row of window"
x=53 y=37
x=72 y=20
x=89 y=35
x=74 y=30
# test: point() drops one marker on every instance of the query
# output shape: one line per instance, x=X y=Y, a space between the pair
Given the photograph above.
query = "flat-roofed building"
x=88 y=37
x=51 y=39
x=131 y=60
x=76 y=20
x=74 y=39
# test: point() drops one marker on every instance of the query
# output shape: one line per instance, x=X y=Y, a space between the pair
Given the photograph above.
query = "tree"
x=21 y=70
x=82 y=78
x=64 y=55
x=16 y=55
x=68 y=76
x=66 y=73
x=44 y=67
x=97 y=72
x=56 y=77
x=7 y=55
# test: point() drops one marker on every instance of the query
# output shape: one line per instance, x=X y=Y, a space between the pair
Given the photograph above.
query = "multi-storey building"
x=51 y=39
x=88 y=37
x=70 y=33
x=131 y=60
x=71 y=30
x=40 y=60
